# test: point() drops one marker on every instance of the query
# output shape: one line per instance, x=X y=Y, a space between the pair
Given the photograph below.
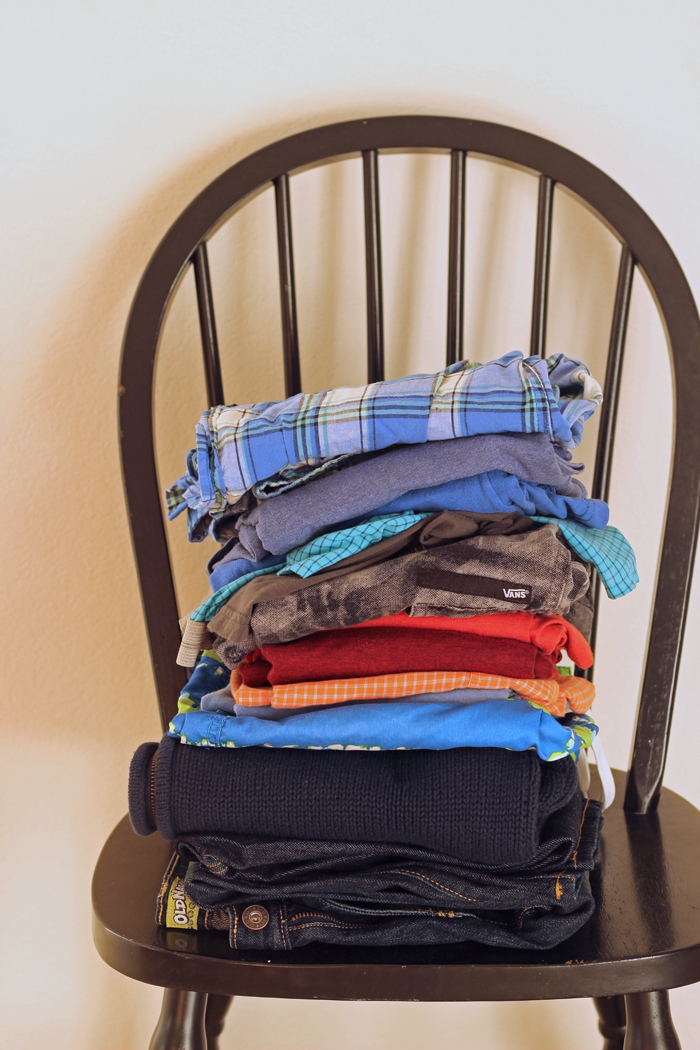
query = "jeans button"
x=255 y=917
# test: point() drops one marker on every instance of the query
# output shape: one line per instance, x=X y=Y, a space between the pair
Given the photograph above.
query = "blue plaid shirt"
x=238 y=446
x=607 y=549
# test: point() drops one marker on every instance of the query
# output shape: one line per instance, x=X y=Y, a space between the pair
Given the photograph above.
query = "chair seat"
x=644 y=934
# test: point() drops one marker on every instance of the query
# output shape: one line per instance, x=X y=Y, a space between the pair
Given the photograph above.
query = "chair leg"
x=215 y=1018
x=611 y=1020
x=181 y=1022
x=649 y=1024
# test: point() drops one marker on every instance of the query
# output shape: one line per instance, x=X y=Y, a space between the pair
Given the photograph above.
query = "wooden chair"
x=644 y=937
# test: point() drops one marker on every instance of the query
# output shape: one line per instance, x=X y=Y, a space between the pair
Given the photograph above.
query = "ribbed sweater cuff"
x=167 y=750
x=140 y=812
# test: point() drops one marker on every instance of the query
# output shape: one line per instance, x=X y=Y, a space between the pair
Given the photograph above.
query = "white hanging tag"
x=604 y=772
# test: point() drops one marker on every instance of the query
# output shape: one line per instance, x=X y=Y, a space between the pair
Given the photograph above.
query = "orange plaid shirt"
x=552 y=694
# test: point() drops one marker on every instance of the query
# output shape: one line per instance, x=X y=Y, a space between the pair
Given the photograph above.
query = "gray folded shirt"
x=292 y=518
x=531 y=571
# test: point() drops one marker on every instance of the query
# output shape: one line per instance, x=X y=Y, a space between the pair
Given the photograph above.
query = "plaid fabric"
x=550 y=694
x=316 y=555
x=607 y=549
x=238 y=446
x=212 y=605
x=324 y=551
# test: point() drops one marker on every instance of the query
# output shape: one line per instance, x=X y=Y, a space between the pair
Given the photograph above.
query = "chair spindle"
x=602 y=473
x=288 y=297
x=373 y=257
x=455 y=273
x=543 y=243
x=207 y=326
x=613 y=377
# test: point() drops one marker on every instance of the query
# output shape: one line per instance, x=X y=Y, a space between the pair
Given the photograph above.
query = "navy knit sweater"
x=484 y=805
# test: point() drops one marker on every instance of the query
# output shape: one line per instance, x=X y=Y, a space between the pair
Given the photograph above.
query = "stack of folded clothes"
x=402 y=567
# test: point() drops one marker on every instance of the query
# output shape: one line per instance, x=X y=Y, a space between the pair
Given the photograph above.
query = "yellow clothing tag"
x=181 y=912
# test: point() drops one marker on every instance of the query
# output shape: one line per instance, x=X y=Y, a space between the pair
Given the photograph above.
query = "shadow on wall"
x=74 y=358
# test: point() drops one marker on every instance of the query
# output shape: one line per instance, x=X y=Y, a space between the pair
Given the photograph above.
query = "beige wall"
x=114 y=117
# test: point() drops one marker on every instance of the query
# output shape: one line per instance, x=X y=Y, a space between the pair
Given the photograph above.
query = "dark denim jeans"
x=286 y=924
x=393 y=894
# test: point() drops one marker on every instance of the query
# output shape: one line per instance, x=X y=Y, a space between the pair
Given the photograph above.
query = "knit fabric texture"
x=140 y=784
x=367 y=651
x=548 y=633
x=386 y=874
x=568 y=841
x=485 y=805
x=383 y=893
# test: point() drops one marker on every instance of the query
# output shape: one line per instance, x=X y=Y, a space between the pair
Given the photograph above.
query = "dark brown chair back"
x=642 y=248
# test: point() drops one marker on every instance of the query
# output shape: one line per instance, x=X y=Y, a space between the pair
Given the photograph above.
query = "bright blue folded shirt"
x=229 y=571
x=513 y=724
x=495 y=492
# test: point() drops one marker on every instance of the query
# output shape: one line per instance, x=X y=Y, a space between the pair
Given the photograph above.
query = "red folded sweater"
x=386 y=650
x=548 y=633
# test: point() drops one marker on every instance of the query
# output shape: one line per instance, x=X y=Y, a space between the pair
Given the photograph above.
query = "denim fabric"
x=240 y=869
x=345 y=893
x=292 y=924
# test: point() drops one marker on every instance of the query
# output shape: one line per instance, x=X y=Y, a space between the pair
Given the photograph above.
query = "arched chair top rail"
x=616 y=209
